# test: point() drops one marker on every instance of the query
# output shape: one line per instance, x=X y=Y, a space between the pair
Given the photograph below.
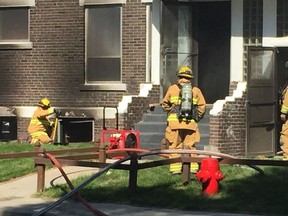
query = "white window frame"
x=27 y=44
x=102 y=85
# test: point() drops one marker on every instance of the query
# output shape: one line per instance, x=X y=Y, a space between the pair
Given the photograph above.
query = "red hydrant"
x=210 y=175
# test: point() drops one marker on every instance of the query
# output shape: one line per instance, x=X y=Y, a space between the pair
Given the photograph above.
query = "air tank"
x=186 y=101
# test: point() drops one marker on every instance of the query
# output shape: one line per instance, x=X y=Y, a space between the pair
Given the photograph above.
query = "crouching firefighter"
x=40 y=127
x=185 y=106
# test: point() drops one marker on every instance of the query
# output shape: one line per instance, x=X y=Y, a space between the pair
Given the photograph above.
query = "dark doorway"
x=214 y=49
x=197 y=34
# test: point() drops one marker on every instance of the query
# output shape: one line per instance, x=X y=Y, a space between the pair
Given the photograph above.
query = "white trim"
x=219 y=104
x=148 y=42
x=17 y=3
x=104 y=87
x=236 y=56
x=96 y=112
x=156 y=41
x=100 y=2
x=146 y=1
x=275 y=42
x=15 y=45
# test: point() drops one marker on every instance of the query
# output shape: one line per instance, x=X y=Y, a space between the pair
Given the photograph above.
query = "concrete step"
x=205 y=120
x=204 y=128
x=151 y=137
x=204 y=141
x=151 y=127
x=150 y=146
x=154 y=117
x=158 y=110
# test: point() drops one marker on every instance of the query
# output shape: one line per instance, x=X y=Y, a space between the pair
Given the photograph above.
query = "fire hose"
x=79 y=197
x=141 y=153
x=75 y=190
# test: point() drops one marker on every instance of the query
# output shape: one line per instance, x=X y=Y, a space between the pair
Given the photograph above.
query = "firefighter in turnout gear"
x=40 y=126
x=283 y=116
x=182 y=129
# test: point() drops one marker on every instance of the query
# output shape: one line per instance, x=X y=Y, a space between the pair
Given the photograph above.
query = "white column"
x=148 y=42
x=236 y=49
x=156 y=43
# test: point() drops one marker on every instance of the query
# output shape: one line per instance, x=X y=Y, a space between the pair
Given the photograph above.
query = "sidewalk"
x=16 y=198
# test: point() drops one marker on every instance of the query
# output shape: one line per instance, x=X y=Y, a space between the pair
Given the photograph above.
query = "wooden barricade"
x=97 y=157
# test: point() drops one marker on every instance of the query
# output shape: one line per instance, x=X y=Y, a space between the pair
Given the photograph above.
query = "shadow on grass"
x=243 y=190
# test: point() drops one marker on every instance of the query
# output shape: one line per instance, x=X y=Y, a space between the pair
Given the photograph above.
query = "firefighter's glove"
x=52 y=124
x=57 y=112
x=283 y=117
x=175 y=109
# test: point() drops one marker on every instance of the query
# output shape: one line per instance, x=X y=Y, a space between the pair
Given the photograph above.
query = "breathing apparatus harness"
x=186 y=109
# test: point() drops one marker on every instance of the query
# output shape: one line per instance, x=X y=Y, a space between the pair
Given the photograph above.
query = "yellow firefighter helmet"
x=185 y=71
x=45 y=102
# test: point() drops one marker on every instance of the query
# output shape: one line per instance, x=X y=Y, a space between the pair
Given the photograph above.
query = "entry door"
x=177 y=42
x=262 y=102
x=197 y=34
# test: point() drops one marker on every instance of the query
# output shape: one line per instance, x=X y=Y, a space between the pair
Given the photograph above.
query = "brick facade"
x=228 y=129
x=54 y=67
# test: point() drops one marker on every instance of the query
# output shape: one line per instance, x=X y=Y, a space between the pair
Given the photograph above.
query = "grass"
x=13 y=168
x=243 y=190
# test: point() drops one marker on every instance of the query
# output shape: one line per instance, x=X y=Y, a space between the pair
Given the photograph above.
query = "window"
x=103 y=48
x=282 y=18
x=14 y=24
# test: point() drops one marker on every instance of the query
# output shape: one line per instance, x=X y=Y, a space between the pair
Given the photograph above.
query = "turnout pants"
x=284 y=139
x=181 y=139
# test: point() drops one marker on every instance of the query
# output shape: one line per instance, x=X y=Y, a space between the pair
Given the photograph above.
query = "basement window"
x=14 y=24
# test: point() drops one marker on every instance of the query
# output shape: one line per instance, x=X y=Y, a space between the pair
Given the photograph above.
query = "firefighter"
x=182 y=129
x=40 y=127
x=283 y=116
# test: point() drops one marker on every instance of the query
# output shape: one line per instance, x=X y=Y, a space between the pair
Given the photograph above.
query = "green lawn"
x=243 y=190
x=13 y=168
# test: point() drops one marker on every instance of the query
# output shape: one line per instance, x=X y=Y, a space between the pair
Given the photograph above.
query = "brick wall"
x=228 y=130
x=134 y=45
x=139 y=106
x=54 y=67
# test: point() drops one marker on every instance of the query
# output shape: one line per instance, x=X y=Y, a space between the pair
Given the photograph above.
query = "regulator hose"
x=79 y=197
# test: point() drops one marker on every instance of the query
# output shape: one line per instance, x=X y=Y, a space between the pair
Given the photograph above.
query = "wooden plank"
x=133 y=172
x=40 y=177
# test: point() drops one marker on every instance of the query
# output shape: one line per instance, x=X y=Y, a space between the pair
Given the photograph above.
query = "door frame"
x=262 y=105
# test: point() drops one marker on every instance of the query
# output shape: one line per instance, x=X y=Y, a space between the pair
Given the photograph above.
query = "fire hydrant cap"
x=210 y=164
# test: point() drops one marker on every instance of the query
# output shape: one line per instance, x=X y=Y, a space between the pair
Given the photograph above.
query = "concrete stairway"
x=152 y=129
x=204 y=127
